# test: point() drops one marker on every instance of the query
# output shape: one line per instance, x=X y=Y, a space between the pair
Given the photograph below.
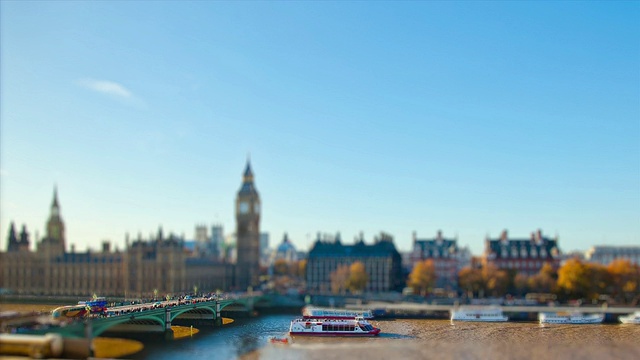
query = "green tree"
x=358 y=277
x=422 y=277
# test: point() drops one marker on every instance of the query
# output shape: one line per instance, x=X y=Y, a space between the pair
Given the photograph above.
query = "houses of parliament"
x=157 y=266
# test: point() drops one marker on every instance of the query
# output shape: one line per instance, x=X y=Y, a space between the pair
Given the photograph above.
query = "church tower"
x=14 y=244
x=247 y=232
x=54 y=242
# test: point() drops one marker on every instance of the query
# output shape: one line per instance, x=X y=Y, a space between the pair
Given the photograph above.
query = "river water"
x=406 y=339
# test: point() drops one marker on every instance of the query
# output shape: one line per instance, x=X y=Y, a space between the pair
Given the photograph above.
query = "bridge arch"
x=154 y=318
x=197 y=309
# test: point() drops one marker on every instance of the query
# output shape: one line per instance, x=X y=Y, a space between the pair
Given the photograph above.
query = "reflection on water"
x=226 y=342
x=408 y=339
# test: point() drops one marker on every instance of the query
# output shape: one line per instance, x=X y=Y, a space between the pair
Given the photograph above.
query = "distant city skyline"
x=469 y=118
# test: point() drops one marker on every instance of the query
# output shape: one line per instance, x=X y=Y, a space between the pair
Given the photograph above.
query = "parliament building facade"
x=147 y=268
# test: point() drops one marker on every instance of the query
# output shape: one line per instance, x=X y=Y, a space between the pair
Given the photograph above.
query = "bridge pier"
x=88 y=334
x=217 y=316
x=168 y=331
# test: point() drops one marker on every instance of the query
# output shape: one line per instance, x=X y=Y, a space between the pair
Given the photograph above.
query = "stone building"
x=524 y=256
x=146 y=268
x=445 y=256
x=50 y=270
x=605 y=254
x=381 y=260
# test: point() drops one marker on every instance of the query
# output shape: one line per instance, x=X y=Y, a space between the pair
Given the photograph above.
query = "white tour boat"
x=309 y=312
x=333 y=327
x=570 y=318
x=631 y=318
x=478 y=313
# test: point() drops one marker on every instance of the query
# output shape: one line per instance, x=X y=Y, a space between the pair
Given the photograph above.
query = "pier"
x=425 y=309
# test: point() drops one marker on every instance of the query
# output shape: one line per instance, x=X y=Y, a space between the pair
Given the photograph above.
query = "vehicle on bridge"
x=71 y=311
x=97 y=305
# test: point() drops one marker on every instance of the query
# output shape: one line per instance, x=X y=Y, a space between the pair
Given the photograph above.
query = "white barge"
x=478 y=313
x=570 y=318
x=631 y=318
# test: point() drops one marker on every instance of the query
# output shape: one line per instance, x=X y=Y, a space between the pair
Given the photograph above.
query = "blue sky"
x=469 y=117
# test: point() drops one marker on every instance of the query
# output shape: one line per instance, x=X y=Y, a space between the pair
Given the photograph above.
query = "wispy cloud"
x=106 y=87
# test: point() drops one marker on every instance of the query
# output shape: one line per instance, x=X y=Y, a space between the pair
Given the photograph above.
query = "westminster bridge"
x=156 y=317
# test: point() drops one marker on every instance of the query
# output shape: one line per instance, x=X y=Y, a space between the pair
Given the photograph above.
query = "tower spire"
x=55 y=196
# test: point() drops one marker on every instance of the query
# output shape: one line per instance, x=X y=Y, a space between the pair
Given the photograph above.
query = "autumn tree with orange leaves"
x=544 y=281
x=488 y=280
x=470 y=280
x=339 y=278
x=422 y=277
x=625 y=280
x=358 y=277
x=620 y=280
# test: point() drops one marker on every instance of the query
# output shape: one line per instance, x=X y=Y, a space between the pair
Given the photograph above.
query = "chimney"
x=106 y=246
x=504 y=236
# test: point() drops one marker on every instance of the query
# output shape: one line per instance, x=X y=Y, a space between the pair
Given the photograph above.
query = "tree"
x=339 y=278
x=624 y=279
x=600 y=280
x=302 y=268
x=520 y=282
x=470 y=280
x=544 y=281
x=495 y=280
x=422 y=277
x=280 y=267
x=573 y=279
x=358 y=277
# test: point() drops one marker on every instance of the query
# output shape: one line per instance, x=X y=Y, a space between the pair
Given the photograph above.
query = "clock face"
x=256 y=208
x=244 y=207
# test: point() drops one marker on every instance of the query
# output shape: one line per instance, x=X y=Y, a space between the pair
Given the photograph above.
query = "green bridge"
x=157 y=320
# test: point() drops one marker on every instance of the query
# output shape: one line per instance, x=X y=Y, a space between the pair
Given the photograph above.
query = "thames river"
x=406 y=339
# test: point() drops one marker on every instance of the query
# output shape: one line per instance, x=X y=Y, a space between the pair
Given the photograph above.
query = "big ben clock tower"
x=247 y=232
